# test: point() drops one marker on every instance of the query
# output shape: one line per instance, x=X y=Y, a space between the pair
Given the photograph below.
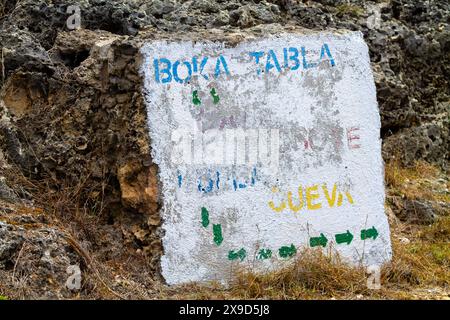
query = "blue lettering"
x=175 y=71
x=209 y=188
x=202 y=66
x=294 y=58
x=326 y=50
x=269 y=65
x=257 y=55
x=306 y=65
x=254 y=176
x=166 y=71
x=285 y=56
x=194 y=65
x=218 y=179
x=180 y=180
x=221 y=60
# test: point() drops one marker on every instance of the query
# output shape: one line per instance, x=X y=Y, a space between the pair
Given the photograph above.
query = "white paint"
x=301 y=104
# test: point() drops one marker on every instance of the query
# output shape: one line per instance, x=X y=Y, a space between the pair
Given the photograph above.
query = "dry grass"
x=421 y=181
x=420 y=268
x=414 y=265
x=313 y=275
x=81 y=202
x=414 y=273
x=350 y=9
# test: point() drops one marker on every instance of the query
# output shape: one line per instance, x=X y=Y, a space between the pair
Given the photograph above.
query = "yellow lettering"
x=300 y=195
x=331 y=200
x=339 y=203
x=312 y=196
x=272 y=204
x=349 y=197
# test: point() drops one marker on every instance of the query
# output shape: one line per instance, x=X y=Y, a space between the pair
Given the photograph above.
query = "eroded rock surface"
x=34 y=256
x=72 y=113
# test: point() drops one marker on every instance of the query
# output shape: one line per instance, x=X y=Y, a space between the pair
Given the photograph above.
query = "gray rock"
x=6 y=193
x=205 y=6
x=417 y=212
x=21 y=50
x=10 y=243
x=222 y=19
x=242 y=18
x=37 y=254
x=70 y=114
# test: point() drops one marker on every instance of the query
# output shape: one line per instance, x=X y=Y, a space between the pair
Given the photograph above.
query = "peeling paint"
x=323 y=186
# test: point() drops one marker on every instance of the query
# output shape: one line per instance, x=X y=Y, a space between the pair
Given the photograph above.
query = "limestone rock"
x=71 y=107
x=35 y=255
x=418 y=212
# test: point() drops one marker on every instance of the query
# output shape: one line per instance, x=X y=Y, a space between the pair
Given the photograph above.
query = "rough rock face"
x=36 y=254
x=75 y=116
x=72 y=114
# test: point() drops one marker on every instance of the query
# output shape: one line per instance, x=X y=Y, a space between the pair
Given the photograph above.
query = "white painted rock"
x=265 y=148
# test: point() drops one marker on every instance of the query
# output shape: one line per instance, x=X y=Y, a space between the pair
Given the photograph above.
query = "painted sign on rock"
x=265 y=148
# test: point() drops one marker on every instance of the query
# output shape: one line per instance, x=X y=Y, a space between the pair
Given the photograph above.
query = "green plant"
x=349 y=9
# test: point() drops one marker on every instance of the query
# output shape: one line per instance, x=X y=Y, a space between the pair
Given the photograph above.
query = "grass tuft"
x=313 y=275
x=349 y=9
x=420 y=181
x=420 y=268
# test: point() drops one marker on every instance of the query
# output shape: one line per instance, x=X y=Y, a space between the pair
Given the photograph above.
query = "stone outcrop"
x=72 y=112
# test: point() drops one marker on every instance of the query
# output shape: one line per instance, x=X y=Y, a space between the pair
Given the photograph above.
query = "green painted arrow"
x=369 y=233
x=287 y=251
x=344 y=237
x=318 y=241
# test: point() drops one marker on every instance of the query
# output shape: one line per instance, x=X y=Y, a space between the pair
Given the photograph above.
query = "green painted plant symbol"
x=264 y=254
x=195 y=98
x=205 y=217
x=217 y=231
x=234 y=255
x=215 y=96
